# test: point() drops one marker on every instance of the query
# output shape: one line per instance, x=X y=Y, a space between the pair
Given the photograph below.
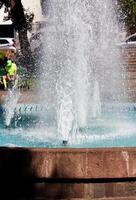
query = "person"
x=11 y=74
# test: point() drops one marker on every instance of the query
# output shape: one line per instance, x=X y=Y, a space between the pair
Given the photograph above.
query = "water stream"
x=81 y=66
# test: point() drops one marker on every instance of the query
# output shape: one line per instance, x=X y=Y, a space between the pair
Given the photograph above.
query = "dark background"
x=7 y=31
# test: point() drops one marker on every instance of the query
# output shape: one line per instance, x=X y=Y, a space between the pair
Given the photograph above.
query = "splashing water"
x=65 y=114
x=10 y=105
x=79 y=44
x=96 y=102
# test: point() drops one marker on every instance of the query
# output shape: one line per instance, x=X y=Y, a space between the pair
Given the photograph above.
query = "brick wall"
x=129 y=57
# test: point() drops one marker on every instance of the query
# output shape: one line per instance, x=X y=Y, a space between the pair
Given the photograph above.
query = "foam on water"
x=107 y=132
x=117 y=137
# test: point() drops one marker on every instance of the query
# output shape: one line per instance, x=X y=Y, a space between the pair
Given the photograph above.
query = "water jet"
x=82 y=101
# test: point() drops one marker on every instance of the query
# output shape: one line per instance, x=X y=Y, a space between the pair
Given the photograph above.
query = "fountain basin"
x=116 y=127
x=44 y=173
x=71 y=163
x=75 y=171
x=34 y=162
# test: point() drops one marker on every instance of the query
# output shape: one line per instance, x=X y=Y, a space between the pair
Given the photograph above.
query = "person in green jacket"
x=11 y=73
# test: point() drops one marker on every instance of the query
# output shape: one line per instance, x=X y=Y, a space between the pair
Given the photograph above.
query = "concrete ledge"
x=69 y=163
x=25 y=172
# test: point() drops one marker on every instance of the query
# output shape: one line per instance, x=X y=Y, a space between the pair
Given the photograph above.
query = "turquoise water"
x=115 y=128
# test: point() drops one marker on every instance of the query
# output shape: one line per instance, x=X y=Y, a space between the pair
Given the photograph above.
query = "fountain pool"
x=116 y=127
x=80 y=69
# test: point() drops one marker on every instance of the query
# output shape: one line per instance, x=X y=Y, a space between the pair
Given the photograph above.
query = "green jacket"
x=11 y=68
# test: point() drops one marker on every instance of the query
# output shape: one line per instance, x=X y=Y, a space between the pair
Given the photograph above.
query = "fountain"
x=83 y=125
x=80 y=59
x=82 y=87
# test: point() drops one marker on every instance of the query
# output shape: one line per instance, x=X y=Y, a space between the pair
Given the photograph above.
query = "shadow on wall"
x=23 y=176
x=51 y=190
x=59 y=190
x=15 y=170
x=24 y=173
x=56 y=166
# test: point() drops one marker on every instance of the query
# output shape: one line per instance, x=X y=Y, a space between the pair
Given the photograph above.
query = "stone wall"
x=129 y=57
x=39 y=174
